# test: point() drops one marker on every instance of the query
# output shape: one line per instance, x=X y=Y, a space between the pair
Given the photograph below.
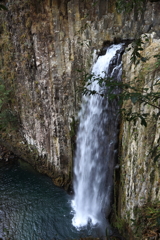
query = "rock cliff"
x=140 y=152
x=46 y=47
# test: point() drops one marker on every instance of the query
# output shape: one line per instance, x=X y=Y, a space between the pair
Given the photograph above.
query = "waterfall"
x=97 y=146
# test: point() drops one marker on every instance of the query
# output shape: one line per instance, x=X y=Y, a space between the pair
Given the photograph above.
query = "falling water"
x=97 y=147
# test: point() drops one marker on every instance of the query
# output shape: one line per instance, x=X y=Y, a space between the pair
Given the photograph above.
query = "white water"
x=96 y=150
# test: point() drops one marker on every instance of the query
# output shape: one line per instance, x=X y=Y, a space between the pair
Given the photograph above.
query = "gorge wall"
x=140 y=145
x=46 y=47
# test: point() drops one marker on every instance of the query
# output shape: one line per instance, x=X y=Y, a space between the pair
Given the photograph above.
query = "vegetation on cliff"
x=31 y=29
x=134 y=90
x=128 y=6
x=2 y=6
x=147 y=226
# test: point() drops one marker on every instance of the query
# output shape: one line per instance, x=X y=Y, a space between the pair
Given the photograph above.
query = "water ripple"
x=32 y=208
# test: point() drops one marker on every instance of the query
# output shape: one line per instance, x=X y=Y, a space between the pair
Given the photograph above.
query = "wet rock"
x=43 y=44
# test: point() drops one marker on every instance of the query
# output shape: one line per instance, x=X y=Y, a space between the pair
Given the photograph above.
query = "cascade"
x=97 y=141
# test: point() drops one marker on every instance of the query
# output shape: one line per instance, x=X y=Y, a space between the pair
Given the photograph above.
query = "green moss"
x=146 y=224
x=128 y=6
x=148 y=221
x=120 y=224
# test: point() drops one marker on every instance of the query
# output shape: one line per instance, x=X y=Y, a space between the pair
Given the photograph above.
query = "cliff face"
x=140 y=152
x=43 y=44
